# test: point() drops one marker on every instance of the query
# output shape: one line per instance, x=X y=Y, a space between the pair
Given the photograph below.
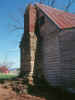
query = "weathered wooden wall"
x=51 y=60
x=50 y=51
x=67 y=54
x=58 y=54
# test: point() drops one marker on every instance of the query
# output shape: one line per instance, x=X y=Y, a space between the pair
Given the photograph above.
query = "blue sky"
x=9 y=41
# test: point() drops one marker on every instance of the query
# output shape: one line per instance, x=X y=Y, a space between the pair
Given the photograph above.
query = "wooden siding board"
x=67 y=41
x=58 y=56
x=51 y=60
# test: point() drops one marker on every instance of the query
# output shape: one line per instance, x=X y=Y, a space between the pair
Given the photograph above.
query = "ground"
x=4 y=93
x=9 y=91
x=8 y=94
x=20 y=89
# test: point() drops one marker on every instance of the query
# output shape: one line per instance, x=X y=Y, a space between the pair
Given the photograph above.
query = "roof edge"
x=36 y=5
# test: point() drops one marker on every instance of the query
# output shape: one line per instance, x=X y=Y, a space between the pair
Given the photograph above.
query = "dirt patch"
x=8 y=94
x=19 y=89
x=15 y=90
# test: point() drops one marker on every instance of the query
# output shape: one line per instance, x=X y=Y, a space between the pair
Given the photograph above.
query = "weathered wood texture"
x=58 y=54
x=67 y=56
x=49 y=51
x=51 y=60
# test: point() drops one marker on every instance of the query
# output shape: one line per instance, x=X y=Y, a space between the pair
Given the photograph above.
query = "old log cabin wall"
x=67 y=57
x=28 y=43
x=47 y=49
x=50 y=50
x=58 y=48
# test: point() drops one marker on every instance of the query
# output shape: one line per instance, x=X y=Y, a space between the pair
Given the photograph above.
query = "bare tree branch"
x=15 y=19
x=53 y=2
x=19 y=22
x=14 y=27
x=21 y=12
x=70 y=2
x=49 y=2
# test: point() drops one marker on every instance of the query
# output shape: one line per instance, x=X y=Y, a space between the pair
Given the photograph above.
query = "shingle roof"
x=60 y=18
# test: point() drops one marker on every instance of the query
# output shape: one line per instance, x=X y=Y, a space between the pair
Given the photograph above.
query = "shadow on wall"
x=25 y=55
x=43 y=90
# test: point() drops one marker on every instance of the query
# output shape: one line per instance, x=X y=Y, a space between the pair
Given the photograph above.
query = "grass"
x=7 y=76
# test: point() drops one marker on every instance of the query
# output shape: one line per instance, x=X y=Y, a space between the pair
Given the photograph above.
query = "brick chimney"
x=29 y=41
x=33 y=38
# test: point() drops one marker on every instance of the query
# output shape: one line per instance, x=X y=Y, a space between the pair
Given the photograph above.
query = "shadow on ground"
x=50 y=93
x=42 y=89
